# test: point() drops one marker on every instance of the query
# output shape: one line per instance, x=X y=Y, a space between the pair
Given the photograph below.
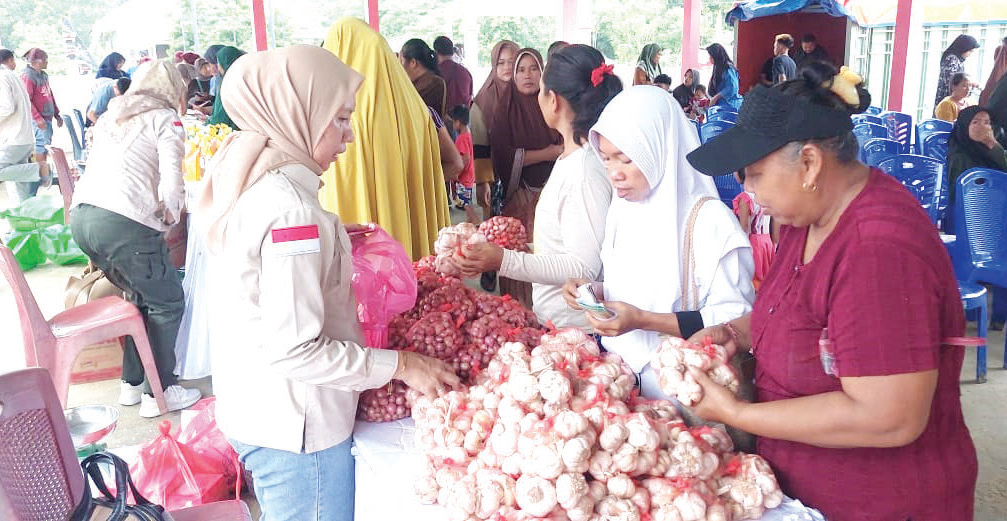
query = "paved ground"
x=983 y=404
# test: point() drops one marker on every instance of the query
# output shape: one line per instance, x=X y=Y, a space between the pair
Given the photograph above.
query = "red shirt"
x=883 y=286
x=464 y=145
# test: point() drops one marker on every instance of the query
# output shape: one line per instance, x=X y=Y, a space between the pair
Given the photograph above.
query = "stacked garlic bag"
x=558 y=433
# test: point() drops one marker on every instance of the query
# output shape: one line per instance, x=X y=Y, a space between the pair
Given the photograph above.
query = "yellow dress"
x=391 y=174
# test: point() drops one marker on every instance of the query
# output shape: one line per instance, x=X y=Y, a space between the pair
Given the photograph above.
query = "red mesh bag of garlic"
x=557 y=432
x=505 y=232
x=674 y=356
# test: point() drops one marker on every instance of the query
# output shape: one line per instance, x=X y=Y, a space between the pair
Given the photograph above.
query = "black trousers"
x=135 y=258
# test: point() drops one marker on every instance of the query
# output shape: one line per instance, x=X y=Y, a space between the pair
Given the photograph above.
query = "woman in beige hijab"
x=288 y=355
x=131 y=195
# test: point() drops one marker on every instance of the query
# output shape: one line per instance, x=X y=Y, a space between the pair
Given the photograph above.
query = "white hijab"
x=642 y=253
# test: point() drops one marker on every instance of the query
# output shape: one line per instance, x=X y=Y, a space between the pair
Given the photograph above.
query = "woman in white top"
x=288 y=353
x=674 y=256
x=570 y=216
x=131 y=195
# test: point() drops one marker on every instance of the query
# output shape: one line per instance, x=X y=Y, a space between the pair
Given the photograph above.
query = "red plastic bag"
x=202 y=436
x=175 y=475
x=383 y=282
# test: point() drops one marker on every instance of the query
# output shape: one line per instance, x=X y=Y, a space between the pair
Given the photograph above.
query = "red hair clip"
x=599 y=73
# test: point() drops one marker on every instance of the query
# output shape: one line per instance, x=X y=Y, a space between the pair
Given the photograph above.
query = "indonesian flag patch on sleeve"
x=297 y=240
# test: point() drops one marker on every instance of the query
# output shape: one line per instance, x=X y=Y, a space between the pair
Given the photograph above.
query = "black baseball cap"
x=768 y=120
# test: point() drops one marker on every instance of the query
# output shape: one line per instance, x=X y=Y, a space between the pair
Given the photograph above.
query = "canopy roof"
x=870 y=13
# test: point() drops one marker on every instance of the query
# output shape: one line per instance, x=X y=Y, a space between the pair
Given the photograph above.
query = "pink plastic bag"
x=383 y=282
x=175 y=475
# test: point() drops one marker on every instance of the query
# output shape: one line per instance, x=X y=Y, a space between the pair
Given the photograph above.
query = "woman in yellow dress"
x=395 y=179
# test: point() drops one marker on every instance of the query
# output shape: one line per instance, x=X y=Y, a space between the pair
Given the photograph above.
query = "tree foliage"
x=226 y=22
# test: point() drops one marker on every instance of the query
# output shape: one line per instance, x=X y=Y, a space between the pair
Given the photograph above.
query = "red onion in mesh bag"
x=436 y=335
x=397 y=330
x=384 y=404
x=453 y=298
x=504 y=308
x=505 y=232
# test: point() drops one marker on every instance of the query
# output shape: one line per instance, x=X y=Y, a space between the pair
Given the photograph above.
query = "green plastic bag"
x=57 y=243
x=35 y=213
x=25 y=246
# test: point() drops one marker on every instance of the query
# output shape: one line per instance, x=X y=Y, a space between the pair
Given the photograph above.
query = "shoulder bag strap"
x=689 y=284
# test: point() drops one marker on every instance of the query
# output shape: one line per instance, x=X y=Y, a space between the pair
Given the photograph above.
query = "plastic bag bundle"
x=383 y=282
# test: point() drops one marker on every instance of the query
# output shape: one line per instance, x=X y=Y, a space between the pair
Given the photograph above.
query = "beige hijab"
x=283 y=100
x=156 y=85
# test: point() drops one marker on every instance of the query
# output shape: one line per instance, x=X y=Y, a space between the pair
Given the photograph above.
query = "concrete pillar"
x=908 y=35
x=259 y=25
x=372 y=15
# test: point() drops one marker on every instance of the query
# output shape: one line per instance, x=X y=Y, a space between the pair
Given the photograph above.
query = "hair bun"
x=842 y=85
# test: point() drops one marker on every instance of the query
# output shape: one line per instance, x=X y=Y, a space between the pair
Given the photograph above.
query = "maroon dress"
x=883 y=286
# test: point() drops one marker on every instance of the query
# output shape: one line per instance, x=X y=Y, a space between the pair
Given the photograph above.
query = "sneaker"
x=176 y=398
x=130 y=394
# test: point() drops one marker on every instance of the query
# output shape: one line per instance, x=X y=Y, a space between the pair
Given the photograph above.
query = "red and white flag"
x=296 y=240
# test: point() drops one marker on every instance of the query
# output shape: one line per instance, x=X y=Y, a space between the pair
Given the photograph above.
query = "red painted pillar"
x=372 y=14
x=900 y=54
x=259 y=25
x=690 y=35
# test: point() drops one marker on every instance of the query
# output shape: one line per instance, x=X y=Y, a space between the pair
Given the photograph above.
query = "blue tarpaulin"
x=759 y=8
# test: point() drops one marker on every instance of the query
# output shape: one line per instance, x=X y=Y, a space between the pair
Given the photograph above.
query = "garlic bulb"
x=614 y=435
x=536 y=495
x=621 y=486
x=569 y=424
x=570 y=488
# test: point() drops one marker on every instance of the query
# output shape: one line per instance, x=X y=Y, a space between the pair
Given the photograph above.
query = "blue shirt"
x=99 y=104
x=729 y=95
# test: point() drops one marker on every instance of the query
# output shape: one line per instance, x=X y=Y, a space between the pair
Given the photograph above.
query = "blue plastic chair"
x=872 y=110
x=867 y=118
x=728 y=188
x=80 y=125
x=979 y=252
x=724 y=115
x=935 y=145
x=713 y=109
x=924 y=177
x=868 y=131
x=713 y=129
x=879 y=149
x=78 y=149
x=974 y=300
x=927 y=127
x=900 y=128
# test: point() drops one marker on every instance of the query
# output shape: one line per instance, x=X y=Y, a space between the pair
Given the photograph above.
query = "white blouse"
x=569 y=228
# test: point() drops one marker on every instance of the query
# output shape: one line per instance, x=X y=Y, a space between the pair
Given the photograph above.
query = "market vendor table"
x=387 y=463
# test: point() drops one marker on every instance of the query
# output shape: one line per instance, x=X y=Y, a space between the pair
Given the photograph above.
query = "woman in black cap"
x=858 y=408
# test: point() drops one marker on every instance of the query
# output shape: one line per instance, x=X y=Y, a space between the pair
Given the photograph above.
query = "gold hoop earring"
x=809 y=187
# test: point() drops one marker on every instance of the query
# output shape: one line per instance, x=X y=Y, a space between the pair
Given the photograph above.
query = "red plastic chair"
x=66 y=180
x=55 y=344
x=40 y=478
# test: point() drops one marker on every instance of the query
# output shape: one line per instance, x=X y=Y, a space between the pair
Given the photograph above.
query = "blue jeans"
x=301 y=487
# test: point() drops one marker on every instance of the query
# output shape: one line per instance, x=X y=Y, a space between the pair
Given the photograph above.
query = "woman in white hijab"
x=288 y=355
x=674 y=257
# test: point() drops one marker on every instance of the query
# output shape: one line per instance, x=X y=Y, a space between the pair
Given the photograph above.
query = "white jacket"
x=140 y=177
x=15 y=111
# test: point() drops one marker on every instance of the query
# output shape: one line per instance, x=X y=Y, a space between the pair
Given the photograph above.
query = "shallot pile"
x=674 y=356
x=450 y=322
x=506 y=232
x=558 y=433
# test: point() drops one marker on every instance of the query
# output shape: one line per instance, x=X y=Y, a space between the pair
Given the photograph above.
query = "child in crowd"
x=761 y=230
x=467 y=178
x=700 y=102
x=663 y=81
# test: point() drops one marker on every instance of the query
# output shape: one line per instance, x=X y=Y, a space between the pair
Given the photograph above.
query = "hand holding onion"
x=479 y=258
x=427 y=375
